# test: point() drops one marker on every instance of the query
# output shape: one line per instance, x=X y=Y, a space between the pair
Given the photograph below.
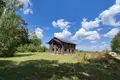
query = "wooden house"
x=61 y=46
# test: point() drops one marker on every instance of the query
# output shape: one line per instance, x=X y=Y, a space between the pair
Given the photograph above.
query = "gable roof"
x=62 y=40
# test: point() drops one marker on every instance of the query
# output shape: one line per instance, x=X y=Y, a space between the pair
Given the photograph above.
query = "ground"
x=118 y=57
x=45 y=66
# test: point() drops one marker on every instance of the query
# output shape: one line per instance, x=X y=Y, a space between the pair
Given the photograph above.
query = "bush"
x=31 y=48
x=7 y=52
x=11 y=27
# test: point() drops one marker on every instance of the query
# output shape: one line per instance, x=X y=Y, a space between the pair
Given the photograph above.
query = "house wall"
x=61 y=48
x=56 y=48
x=66 y=48
x=69 y=48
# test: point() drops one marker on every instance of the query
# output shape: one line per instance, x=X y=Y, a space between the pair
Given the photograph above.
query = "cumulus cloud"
x=103 y=42
x=26 y=6
x=27 y=11
x=118 y=2
x=96 y=47
x=112 y=33
x=87 y=35
x=39 y=33
x=108 y=16
x=61 y=23
x=93 y=41
x=84 y=32
x=63 y=34
x=91 y=24
x=99 y=29
x=46 y=28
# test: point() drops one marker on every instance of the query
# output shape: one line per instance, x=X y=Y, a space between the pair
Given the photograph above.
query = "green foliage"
x=31 y=48
x=34 y=40
x=44 y=66
x=115 y=44
x=12 y=28
x=34 y=45
x=2 y=5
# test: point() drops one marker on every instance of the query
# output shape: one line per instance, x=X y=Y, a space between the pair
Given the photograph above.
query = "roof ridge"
x=63 y=40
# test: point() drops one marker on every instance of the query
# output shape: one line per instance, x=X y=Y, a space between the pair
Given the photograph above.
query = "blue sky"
x=91 y=24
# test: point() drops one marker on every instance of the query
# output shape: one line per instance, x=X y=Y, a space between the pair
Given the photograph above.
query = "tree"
x=2 y=5
x=115 y=44
x=34 y=40
x=34 y=45
x=12 y=27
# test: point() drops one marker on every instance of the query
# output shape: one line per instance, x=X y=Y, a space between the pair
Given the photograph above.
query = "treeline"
x=13 y=32
x=33 y=45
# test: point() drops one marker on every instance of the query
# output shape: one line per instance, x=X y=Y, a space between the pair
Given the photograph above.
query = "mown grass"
x=44 y=66
x=118 y=56
x=46 y=56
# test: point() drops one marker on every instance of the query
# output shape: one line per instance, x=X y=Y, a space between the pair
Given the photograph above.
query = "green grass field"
x=39 y=56
x=118 y=57
x=45 y=66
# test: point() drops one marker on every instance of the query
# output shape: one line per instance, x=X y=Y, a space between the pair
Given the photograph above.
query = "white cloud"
x=26 y=6
x=96 y=47
x=63 y=34
x=28 y=11
x=104 y=46
x=87 y=48
x=112 y=33
x=118 y=2
x=87 y=35
x=84 y=32
x=99 y=29
x=39 y=33
x=91 y=24
x=61 y=23
x=108 y=16
x=103 y=42
x=93 y=41
x=46 y=28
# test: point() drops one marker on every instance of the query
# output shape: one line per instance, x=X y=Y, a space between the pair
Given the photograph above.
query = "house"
x=61 y=46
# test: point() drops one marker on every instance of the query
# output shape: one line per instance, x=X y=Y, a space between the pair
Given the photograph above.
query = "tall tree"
x=12 y=27
x=34 y=40
x=2 y=5
x=115 y=44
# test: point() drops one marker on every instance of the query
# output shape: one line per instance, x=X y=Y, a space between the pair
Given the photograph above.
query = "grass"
x=118 y=57
x=44 y=66
x=40 y=56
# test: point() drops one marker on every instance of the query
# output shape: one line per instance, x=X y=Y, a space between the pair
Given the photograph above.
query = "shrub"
x=31 y=48
x=11 y=27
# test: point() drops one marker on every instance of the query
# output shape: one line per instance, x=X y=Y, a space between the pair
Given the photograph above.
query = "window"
x=66 y=45
x=52 y=49
x=69 y=50
x=72 y=50
x=65 y=49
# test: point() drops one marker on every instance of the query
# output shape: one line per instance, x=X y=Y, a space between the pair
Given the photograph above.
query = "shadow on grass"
x=53 y=70
x=22 y=55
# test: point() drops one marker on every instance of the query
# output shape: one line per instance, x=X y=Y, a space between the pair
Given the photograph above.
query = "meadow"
x=45 y=66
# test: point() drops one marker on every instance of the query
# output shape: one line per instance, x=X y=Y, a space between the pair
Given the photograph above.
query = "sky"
x=91 y=24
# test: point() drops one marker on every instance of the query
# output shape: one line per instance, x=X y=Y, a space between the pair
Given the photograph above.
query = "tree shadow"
x=53 y=70
x=22 y=55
